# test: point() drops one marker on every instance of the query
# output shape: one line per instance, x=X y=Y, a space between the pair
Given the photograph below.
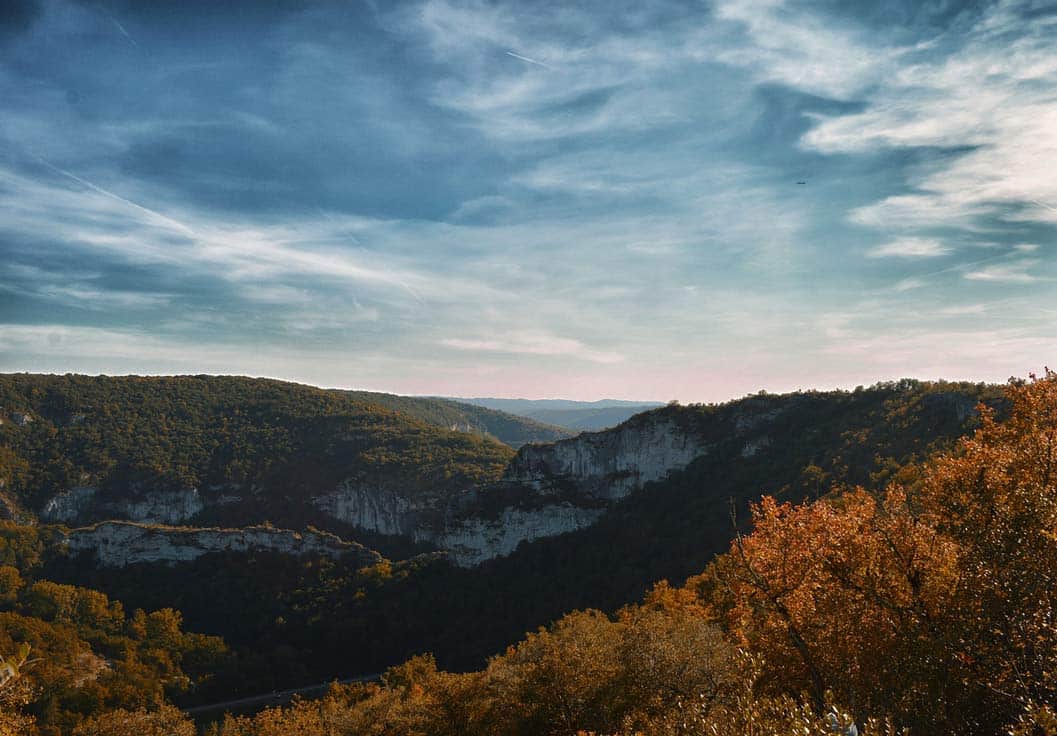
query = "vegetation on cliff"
x=511 y=429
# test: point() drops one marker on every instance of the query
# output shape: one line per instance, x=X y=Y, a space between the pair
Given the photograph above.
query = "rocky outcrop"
x=752 y=446
x=69 y=506
x=82 y=503
x=546 y=490
x=165 y=507
x=474 y=539
x=121 y=543
x=608 y=465
x=374 y=509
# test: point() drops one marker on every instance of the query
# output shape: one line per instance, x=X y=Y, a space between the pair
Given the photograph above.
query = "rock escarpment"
x=259 y=450
x=608 y=465
x=547 y=489
x=473 y=539
x=374 y=509
x=121 y=543
x=82 y=503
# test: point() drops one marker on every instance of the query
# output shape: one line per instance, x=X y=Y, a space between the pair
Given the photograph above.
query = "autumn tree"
x=163 y=721
x=997 y=500
x=935 y=604
x=15 y=692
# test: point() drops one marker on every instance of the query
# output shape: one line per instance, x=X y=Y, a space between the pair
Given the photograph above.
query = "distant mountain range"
x=577 y=416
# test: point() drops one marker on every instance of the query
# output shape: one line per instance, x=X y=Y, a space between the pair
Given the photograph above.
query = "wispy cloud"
x=910 y=248
x=993 y=97
x=151 y=214
x=533 y=343
x=238 y=253
x=803 y=49
x=1013 y=273
x=964 y=309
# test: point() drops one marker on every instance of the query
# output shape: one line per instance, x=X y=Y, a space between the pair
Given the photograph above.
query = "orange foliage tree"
x=935 y=605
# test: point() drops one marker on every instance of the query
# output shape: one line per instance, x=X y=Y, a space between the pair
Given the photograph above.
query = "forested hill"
x=505 y=426
x=120 y=434
x=575 y=416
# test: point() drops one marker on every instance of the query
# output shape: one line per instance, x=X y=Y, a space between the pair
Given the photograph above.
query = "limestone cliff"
x=84 y=503
x=121 y=543
x=378 y=471
x=473 y=539
x=547 y=489
x=374 y=509
x=611 y=464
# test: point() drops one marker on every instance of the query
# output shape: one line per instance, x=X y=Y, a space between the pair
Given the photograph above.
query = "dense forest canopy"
x=513 y=429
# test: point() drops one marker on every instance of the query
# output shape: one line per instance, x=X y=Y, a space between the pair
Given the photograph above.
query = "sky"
x=650 y=200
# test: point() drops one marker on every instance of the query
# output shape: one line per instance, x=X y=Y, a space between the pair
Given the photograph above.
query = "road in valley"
x=254 y=703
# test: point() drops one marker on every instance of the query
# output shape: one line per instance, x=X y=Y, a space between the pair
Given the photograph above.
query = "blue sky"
x=530 y=199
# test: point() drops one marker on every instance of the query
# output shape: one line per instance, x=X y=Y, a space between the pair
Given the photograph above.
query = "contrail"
x=107 y=193
x=1040 y=204
x=124 y=33
x=530 y=61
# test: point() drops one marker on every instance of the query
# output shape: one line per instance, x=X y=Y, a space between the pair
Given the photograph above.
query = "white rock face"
x=120 y=543
x=609 y=465
x=473 y=540
x=551 y=489
x=162 y=507
x=548 y=489
x=373 y=509
x=152 y=507
x=70 y=505
x=21 y=419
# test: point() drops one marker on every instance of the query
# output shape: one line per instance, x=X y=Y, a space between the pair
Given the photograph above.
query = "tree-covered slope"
x=588 y=420
x=792 y=446
x=278 y=440
x=347 y=622
x=84 y=652
x=506 y=427
x=574 y=416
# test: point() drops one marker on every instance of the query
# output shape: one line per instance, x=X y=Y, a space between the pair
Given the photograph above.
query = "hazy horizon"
x=681 y=200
